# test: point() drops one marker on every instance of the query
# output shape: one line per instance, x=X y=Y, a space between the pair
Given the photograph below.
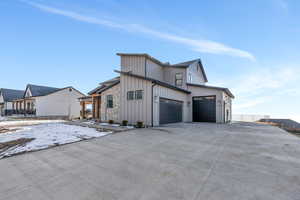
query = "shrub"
x=110 y=121
x=139 y=124
x=124 y=123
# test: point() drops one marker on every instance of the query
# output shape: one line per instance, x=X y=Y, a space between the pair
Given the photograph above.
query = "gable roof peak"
x=39 y=90
x=11 y=94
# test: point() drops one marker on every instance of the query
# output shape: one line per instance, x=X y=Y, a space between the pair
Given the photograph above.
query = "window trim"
x=133 y=95
x=108 y=105
x=142 y=94
x=179 y=79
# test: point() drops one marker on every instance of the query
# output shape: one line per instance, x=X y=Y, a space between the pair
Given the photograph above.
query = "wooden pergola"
x=84 y=101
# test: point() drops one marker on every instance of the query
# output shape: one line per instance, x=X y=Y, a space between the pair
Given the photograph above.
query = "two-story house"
x=155 y=93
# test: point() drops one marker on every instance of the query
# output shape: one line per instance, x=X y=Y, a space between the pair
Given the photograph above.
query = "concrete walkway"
x=181 y=161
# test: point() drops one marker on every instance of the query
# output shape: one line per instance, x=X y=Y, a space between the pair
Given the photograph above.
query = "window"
x=130 y=95
x=178 y=79
x=190 y=77
x=139 y=94
x=109 y=101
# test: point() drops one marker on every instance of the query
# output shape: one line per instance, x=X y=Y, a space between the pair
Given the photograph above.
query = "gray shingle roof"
x=10 y=95
x=187 y=63
x=105 y=85
x=226 y=90
x=37 y=90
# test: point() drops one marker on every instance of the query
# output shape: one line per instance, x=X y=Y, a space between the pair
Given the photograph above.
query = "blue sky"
x=251 y=47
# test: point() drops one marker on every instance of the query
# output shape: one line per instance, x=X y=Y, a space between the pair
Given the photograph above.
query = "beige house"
x=155 y=93
x=43 y=101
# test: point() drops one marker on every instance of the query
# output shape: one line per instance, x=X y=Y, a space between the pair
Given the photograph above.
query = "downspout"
x=154 y=84
x=145 y=67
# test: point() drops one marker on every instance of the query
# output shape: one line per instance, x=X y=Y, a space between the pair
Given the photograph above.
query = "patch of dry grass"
x=19 y=142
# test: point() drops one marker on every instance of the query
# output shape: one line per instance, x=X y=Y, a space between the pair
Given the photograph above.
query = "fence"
x=249 y=118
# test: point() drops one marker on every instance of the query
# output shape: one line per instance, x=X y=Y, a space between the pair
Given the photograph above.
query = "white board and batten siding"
x=141 y=110
x=61 y=103
x=196 y=74
x=169 y=76
x=114 y=112
x=154 y=70
x=228 y=106
x=136 y=110
x=134 y=64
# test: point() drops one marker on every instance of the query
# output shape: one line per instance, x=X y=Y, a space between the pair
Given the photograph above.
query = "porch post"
x=25 y=109
x=93 y=107
x=98 y=107
x=83 y=109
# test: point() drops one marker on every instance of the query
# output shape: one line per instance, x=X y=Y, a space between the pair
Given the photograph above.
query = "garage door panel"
x=204 y=109
x=170 y=111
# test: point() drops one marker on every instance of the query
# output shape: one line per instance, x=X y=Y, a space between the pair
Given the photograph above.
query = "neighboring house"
x=155 y=93
x=7 y=96
x=45 y=101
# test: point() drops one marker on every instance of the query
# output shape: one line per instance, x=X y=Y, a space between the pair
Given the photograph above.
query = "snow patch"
x=3 y=118
x=46 y=135
x=28 y=122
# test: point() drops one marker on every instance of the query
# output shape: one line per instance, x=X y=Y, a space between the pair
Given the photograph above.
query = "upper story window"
x=109 y=101
x=190 y=77
x=178 y=79
x=139 y=94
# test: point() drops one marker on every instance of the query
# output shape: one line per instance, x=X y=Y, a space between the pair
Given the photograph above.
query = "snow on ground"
x=2 y=118
x=47 y=135
x=28 y=122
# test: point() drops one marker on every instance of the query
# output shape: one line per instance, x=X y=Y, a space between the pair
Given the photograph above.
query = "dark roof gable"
x=10 y=95
x=226 y=90
x=105 y=85
x=188 y=63
x=37 y=90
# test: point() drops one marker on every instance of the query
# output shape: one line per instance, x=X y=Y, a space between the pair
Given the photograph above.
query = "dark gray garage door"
x=170 y=111
x=204 y=109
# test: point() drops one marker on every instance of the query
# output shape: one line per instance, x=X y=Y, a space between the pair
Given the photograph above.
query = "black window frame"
x=178 y=79
x=141 y=94
x=109 y=101
x=129 y=93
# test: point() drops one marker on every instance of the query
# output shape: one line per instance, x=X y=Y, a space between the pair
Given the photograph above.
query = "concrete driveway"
x=180 y=161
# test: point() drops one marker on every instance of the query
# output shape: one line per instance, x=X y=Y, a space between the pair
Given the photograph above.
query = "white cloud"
x=266 y=79
x=205 y=46
x=251 y=102
x=263 y=87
